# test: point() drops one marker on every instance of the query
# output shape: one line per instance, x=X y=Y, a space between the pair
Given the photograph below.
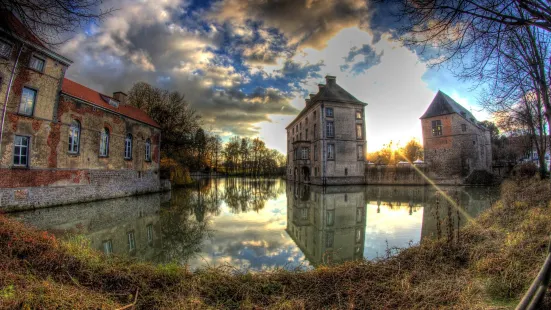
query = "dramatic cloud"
x=370 y=59
x=247 y=65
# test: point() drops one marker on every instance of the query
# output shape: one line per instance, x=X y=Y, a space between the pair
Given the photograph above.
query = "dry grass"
x=497 y=257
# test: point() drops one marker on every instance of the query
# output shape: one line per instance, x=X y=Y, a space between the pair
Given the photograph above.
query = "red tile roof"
x=91 y=96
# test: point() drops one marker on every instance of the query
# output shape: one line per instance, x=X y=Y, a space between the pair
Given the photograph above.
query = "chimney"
x=320 y=86
x=120 y=97
x=330 y=80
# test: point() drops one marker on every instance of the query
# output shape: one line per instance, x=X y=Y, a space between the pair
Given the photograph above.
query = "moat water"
x=265 y=223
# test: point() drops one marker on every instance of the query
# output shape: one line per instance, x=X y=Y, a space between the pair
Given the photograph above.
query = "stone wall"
x=76 y=186
x=395 y=175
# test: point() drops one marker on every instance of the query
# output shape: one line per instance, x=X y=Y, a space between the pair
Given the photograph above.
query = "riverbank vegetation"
x=491 y=264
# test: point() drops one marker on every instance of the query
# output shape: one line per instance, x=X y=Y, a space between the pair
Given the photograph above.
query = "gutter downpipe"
x=324 y=158
x=8 y=96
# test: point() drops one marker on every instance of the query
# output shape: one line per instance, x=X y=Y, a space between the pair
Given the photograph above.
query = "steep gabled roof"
x=15 y=27
x=330 y=91
x=93 y=97
x=442 y=104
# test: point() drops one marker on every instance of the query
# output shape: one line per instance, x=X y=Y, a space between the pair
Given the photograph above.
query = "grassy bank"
x=491 y=265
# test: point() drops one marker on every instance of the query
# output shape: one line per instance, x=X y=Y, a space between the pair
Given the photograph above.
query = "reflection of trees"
x=184 y=221
x=244 y=195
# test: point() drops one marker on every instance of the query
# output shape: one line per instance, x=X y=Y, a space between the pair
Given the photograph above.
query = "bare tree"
x=49 y=19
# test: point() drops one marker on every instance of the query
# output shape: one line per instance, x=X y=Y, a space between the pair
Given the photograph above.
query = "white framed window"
x=74 y=137
x=330 y=151
x=37 y=63
x=128 y=147
x=108 y=247
x=5 y=49
x=358 y=235
x=28 y=99
x=359 y=215
x=330 y=221
x=329 y=112
x=330 y=129
x=131 y=241
x=305 y=153
x=104 y=143
x=148 y=150
x=21 y=151
x=359 y=131
x=358 y=114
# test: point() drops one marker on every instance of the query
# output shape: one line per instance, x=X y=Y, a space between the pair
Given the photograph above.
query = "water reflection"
x=265 y=223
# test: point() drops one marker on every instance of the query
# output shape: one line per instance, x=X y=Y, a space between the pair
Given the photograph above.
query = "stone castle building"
x=455 y=143
x=60 y=141
x=326 y=142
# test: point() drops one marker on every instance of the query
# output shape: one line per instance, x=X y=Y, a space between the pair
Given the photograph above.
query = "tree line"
x=391 y=153
x=186 y=143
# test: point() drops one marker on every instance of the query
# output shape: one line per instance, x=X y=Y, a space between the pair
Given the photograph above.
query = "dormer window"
x=37 y=63
x=112 y=102
x=464 y=114
x=329 y=112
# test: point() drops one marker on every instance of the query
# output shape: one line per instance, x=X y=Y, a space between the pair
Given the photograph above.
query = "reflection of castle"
x=328 y=224
x=126 y=226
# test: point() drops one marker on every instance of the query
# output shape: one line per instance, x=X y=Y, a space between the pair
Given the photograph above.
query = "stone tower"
x=326 y=141
x=455 y=143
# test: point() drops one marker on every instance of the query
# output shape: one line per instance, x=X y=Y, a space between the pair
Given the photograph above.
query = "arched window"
x=148 y=150
x=74 y=137
x=128 y=146
x=104 y=143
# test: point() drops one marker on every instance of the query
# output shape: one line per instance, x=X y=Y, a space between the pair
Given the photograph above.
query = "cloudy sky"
x=247 y=65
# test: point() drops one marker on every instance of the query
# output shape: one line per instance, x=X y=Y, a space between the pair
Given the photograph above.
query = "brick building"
x=60 y=141
x=455 y=143
x=326 y=141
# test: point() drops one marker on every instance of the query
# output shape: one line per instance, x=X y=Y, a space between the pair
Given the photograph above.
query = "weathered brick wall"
x=456 y=153
x=75 y=186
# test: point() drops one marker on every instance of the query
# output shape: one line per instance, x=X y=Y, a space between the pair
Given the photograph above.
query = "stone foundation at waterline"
x=73 y=186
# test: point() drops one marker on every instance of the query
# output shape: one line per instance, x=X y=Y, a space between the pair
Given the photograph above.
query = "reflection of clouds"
x=251 y=240
x=392 y=227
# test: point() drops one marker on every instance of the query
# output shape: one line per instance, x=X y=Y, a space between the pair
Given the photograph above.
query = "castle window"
x=21 y=151
x=436 y=128
x=360 y=152
x=359 y=131
x=463 y=127
x=108 y=247
x=315 y=131
x=330 y=151
x=474 y=142
x=359 y=215
x=128 y=147
x=306 y=135
x=37 y=63
x=314 y=115
x=345 y=171
x=5 y=49
x=315 y=152
x=131 y=241
x=305 y=153
x=28 y=99
x=148 y=150
x=330 y=129
x=358 y=114
x=150 y=233
x=104 y=143
x=329 y=112
x=306 y=120
x=74 y=137
x=330 y=217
